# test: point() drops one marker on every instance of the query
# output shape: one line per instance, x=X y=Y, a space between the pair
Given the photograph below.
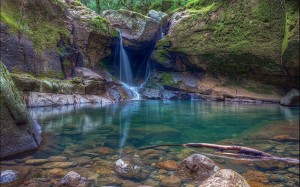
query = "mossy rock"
x=239 y=39
x=18 y=132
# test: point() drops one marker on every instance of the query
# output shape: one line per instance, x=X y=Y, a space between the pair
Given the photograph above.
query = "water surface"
x=76 y=131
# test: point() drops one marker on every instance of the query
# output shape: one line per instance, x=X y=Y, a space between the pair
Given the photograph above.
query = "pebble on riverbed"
x=8 y=176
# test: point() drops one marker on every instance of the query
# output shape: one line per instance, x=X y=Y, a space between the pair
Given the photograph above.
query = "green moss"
x=162 y=50
x=101 y=25
x=11 y=16
x=167 y=79
x=291 y=19
x=42 y=30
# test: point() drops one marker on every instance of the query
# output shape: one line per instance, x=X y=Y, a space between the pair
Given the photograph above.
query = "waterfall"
x=126 y=77
x=161 y=34
x=125 y=68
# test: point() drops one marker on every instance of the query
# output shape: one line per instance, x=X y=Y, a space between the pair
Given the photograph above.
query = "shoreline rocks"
x=37 y=99
x=292 y=98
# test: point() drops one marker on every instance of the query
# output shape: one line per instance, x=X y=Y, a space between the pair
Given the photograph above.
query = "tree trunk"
x=98 y=5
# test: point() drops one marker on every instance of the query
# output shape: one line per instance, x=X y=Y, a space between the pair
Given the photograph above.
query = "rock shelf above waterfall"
x=136 y=28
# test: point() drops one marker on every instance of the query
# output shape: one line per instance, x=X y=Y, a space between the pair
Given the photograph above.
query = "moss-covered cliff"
x=238 y=39
x=50 y=37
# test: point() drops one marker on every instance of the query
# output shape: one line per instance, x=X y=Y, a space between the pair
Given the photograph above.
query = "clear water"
x=73 y=131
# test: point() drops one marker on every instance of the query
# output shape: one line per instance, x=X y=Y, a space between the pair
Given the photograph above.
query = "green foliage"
x=141 y=6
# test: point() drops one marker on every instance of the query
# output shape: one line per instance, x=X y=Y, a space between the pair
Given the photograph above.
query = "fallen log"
x=242 y=151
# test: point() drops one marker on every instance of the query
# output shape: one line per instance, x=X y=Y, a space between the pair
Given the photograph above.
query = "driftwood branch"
x=242 y=151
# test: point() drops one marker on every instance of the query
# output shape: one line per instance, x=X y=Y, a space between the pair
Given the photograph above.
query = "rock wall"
x=241 y=40
x=19 y=133
x=50 y=38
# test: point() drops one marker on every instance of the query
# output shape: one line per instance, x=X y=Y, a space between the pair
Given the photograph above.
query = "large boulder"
x=19 y=133
x=197 y=168
x=225 y=178
x=160 y=17
x=137 y=30
x=292 y=98
x=224 y=39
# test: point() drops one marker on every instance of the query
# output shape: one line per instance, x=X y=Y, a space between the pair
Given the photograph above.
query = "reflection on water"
x=141 y=123
x=91 y=138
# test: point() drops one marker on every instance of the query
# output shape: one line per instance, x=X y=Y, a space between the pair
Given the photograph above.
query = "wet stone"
x=57 y=159
x=90 y=154
x=167 y=165
x=197 y=168
x=104 y=150
x=36 y=161
x=8 y=163
x=294 y=170
x=109 y=181
x=149 y=151
x=112 y=143
x=172 y=181
x=57 y=172
x=130 y=171
x=256 y=176
x=81 y=160
x=8 y=176
x=277 y=178
x=270 y=165
x=73 y=179
x=58 y=165
x=83 y=147
x=128 y=183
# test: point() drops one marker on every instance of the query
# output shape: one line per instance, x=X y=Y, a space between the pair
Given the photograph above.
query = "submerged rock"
x=225 y=178
x=256 y=176
x=36 y=161
x=292 y=98
x=73 y=179
x=167 y=165
x=8 y=176
x=127 y=170
x=58 y=165
x=197 y=167
x=171 y=181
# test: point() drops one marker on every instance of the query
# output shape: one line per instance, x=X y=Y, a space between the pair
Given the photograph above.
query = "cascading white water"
x=126 y=77
x=125 y=68
x=161 y=34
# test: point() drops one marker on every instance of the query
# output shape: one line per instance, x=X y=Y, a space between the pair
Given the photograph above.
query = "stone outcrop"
x=86 y=87
x=223 y=39
x=137 y=30
x=19 y=133
x=292 y=98
x=52 y=44
x=160 y=17
x=37 y=99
